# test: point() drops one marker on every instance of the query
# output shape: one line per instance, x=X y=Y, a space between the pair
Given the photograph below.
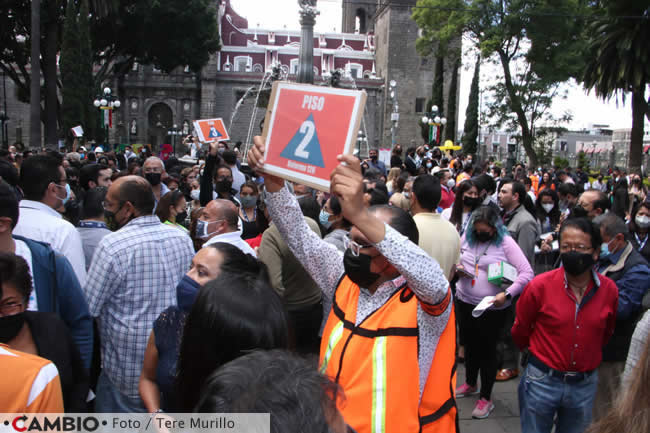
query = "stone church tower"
x=397 y=60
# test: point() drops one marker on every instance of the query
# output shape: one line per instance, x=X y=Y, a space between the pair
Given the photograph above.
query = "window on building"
x=293 y=66
x=242 y=62
x=419 y=105
x=356 y=70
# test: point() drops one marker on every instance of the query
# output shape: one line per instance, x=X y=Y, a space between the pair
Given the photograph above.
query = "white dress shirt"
x=238 y=178
x=40 y=222
x=232 y=238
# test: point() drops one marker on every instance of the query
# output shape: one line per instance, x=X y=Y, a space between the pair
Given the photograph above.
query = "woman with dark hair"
x=485 y=242
x=172 y=209
x=331 y=218
x=639 y=225
x=37 y=333
x=547 y=210
x=545 y=183
x=234 y=314
x=248 y=195
x=467 y=199
x=159 y=368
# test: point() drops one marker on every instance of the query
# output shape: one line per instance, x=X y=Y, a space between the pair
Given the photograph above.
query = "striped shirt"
x=132 y=279
x=29 y=383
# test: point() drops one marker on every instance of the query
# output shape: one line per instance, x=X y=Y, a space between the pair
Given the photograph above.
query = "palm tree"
x=618 y=61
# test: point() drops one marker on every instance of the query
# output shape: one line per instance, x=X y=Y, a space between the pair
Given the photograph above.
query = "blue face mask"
x=604 y=249
x=67 y=194
x=186 y=292
x=323 y=217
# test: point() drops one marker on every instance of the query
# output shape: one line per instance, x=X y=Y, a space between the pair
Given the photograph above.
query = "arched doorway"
x=161 y=119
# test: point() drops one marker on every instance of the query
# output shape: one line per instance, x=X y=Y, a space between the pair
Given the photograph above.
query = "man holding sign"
x=390 y=337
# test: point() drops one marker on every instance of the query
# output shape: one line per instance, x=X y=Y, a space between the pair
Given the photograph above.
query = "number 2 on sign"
x=308 y=128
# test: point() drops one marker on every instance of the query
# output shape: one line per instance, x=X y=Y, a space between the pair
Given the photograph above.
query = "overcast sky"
x=586 y=109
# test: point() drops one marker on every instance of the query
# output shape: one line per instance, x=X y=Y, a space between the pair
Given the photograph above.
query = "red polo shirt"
x=563 y=334
x=447 y=198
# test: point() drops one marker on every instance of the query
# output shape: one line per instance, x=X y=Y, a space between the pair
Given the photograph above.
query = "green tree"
x=88 y=89
x=583 y=161
x=619 y=62
x=167 y=33
x=471 y=128
x=450 y=114
x=72 y=112
x=560 y=162
x=536 y=43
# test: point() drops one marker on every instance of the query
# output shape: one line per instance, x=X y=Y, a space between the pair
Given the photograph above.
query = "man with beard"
x=132 y=279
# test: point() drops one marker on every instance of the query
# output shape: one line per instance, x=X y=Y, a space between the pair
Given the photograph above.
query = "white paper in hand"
x=483 y=305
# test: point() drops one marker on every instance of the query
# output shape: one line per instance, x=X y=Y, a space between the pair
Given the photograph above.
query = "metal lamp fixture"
x=435 y=122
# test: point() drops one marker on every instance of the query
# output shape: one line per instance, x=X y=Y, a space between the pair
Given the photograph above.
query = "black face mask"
x=181 y=217
x=358 y=269
x=153 y=178
x=10 y=326
x=576 y=263
x=579 y=212
x=111 y=221
x=483 y=237
x=472 y=202
x=223 y=186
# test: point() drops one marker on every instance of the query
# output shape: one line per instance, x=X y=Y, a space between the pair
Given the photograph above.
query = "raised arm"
x=320 y=259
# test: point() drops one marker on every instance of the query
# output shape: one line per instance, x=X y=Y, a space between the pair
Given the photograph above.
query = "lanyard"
x=476 y=260
x=463 y=226
x=92 y=225
x=246 y=215
x=641 y=244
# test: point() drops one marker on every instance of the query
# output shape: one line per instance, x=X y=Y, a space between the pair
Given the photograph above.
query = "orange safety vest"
x=376 y=364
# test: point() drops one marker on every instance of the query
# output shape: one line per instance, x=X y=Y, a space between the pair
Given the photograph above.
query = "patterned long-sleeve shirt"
x=325 y=265
x=132 y=279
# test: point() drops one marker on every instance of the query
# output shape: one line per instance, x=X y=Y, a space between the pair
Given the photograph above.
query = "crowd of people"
x=130 y=284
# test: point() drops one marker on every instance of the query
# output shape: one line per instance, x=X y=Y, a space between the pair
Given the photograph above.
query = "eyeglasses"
x=10 y=309
x=565 y=248
x=354 y=246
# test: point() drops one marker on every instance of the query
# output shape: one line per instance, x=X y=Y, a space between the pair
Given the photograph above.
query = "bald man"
x=153 y=170
x=132 y=279
x=219 y=223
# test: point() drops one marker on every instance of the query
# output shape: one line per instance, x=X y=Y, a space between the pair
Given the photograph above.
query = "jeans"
x=542 y=396
x=110 y=400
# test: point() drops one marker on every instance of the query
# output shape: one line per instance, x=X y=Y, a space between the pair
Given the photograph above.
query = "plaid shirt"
x=131 y=280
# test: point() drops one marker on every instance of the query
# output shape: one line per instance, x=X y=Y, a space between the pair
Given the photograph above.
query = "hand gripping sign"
x=307 y=127
x=210 y=130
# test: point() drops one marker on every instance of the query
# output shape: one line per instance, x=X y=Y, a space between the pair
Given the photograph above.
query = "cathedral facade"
x=375 y=52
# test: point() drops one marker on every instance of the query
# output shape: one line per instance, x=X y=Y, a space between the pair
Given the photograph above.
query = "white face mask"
x=642 y=221
x=195 y=193
x=548 y=207
x=451 y=183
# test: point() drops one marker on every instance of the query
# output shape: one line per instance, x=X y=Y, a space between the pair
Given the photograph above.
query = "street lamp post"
x=435 y=120
x=107 y=103
x=361 y=138
x=394 y=116
x=174 y=132
x=512 y=148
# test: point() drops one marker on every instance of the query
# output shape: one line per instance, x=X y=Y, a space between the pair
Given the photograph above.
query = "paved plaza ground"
x=505 y=416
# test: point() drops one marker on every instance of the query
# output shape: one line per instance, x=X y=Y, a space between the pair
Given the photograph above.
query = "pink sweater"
x=509 y=252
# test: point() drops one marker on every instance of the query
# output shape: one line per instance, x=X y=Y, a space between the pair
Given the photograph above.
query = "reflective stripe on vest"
x=379 y=385
x=337 y=333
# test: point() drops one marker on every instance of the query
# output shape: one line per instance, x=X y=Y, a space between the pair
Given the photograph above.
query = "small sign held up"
x=211 y=130
x=307 y=127
x=77 y=131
